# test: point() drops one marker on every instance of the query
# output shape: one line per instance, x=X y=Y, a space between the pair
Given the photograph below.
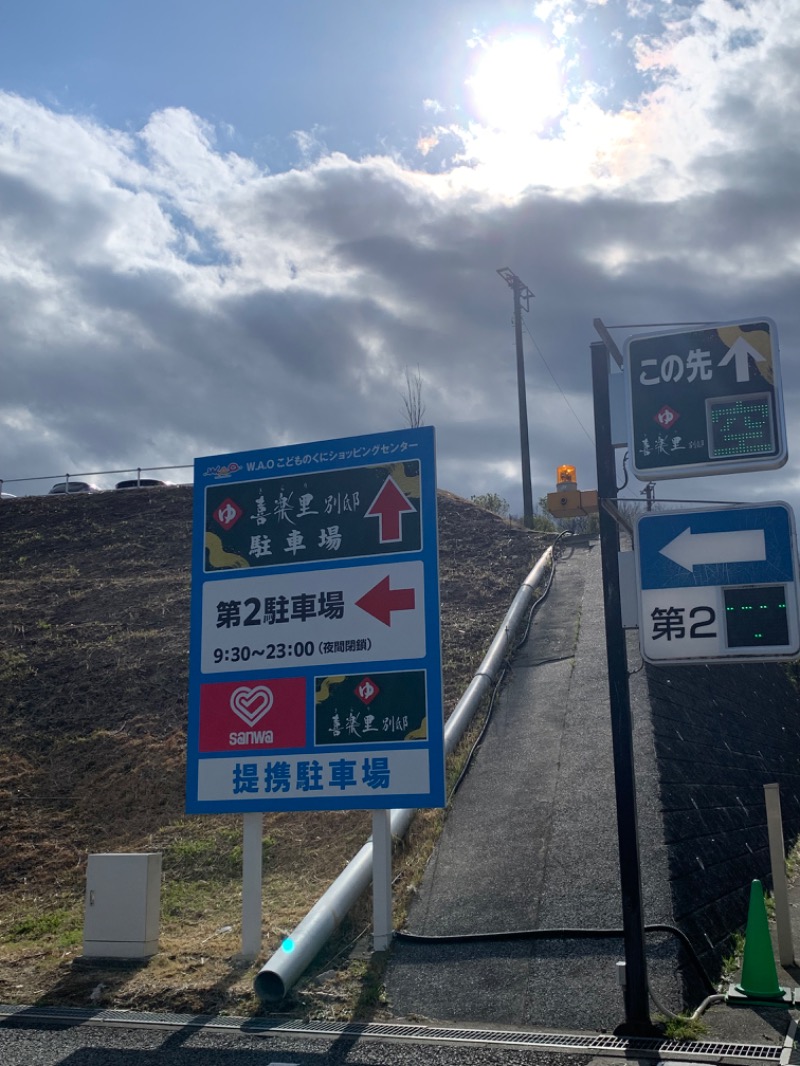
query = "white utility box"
x=122 y=912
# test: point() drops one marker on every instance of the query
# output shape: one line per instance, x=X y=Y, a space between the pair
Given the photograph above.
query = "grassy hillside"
x=94 y=617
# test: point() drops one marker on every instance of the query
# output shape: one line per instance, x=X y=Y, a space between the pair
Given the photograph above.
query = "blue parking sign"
x=315 y=659
x=718 y=585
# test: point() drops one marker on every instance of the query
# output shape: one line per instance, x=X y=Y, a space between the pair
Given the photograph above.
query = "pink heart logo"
x=251 y=704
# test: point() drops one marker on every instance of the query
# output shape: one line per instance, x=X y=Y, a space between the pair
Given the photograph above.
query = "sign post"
x=637 y=1004
x=315 y=657
x=705 y=401
x=713 y=585
x=315 y=663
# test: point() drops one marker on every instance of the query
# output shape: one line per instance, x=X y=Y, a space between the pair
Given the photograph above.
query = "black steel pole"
x=527 y=490
x=637 y=1013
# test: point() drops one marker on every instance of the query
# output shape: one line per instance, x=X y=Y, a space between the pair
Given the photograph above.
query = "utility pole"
x=521 y=293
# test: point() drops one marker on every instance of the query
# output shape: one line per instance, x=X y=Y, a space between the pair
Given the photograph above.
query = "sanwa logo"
x=252 y=738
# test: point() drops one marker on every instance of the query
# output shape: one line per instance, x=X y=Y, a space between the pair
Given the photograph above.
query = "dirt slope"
x=94 y=618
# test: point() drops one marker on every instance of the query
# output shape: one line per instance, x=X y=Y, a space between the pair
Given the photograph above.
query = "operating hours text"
x=272 y=651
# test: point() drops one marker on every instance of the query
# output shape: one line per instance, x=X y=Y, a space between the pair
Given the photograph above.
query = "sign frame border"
x=232 y=467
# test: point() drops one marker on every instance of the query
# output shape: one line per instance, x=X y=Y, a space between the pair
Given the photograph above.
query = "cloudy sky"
x=233 y=224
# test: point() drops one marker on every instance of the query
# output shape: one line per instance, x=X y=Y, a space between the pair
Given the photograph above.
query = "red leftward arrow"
x=381 y=600
x=388 y=507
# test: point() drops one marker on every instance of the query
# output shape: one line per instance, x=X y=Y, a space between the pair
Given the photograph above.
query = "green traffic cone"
x=759 y=974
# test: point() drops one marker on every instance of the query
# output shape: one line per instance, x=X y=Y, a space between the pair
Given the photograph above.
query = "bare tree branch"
x=413 y=404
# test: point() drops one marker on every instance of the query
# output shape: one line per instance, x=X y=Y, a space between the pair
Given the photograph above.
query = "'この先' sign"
x=705 y=401
x=718 y=585
x=315 y=665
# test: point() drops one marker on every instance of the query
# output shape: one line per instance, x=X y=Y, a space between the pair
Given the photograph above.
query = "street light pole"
x=521 y=292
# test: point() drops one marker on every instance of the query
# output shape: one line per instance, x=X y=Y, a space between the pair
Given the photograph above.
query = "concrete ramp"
x=530 y=843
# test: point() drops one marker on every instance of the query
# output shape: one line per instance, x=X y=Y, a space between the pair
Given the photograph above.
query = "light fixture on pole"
x=521 y=294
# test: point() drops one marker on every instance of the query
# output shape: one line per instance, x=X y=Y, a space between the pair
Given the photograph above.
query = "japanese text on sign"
x=310 y=517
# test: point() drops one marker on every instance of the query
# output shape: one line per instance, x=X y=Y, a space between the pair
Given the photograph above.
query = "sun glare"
x=517 y=85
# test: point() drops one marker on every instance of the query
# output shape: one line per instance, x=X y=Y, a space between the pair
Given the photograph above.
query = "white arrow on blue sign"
x=718 y=585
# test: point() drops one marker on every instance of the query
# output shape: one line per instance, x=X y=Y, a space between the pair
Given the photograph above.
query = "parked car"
x=62 y=487
x=140 y=483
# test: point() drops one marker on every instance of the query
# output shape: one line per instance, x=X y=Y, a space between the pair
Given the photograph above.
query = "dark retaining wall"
x=720 y=734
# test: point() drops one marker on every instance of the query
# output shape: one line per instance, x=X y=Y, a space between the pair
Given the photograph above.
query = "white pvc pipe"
x=381 y=880
x=289 y=962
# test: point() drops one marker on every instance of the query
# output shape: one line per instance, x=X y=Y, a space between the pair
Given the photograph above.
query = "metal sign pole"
x=637 y=1016
x=381 y=880
x=252 y=857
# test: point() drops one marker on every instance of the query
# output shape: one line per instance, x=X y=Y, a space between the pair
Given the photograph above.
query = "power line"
x=555 y=382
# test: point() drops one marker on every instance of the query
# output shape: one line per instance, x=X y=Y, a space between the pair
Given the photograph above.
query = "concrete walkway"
x=530 y=842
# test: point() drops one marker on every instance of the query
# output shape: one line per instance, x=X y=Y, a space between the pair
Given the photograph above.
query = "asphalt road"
x=90 y=1045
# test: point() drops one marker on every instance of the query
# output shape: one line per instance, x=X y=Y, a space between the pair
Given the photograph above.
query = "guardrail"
x=136 y=471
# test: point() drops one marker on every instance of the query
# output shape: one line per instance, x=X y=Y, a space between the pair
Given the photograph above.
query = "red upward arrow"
x=388 y=506
x=381 y=600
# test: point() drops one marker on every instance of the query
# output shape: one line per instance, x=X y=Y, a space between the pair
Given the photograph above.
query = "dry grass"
x=93 y=665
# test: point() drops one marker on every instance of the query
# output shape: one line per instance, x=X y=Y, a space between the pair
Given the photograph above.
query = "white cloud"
x=161 y=298
x=715 y=65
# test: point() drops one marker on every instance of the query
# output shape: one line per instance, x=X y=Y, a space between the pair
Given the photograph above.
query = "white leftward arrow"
x=739 y=352
x=734 y=546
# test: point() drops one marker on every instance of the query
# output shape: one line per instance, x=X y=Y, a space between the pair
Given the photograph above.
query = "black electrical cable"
x=561 y=934
x=624 y=471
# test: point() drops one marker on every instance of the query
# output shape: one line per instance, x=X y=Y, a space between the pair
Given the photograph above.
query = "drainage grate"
x=684 y=1050
x=593 y=1044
